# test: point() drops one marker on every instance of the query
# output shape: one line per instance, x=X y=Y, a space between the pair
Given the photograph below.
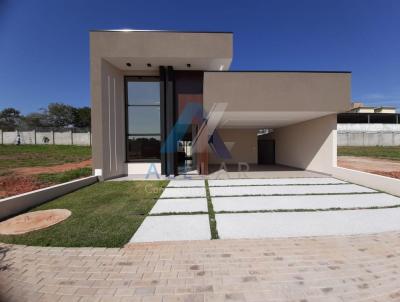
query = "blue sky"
x=44 y=45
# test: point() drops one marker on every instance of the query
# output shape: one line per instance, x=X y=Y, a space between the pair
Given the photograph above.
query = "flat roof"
x=365 y=107
x=366 y=113
x=160 y=30
x=287 y=71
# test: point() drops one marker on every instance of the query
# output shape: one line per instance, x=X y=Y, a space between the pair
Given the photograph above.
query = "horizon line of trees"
x=56 y=116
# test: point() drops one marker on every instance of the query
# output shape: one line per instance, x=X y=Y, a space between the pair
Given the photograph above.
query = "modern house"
x=167 y=101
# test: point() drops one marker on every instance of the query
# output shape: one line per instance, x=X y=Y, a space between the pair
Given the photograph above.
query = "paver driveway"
x=349 y=268
x=266 y=208
x=307 y=269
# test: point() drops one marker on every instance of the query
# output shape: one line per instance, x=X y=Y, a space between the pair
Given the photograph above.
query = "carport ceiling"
x=267 y=119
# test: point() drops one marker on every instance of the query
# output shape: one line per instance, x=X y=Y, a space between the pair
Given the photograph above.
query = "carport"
x=294 y=111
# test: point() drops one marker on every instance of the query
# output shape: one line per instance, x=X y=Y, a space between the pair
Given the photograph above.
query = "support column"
x=171 y=168
x=162 y=118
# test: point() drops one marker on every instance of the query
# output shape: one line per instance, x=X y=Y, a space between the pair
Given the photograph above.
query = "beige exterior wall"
x=144 y=168
x=276 y=99
x=377 y=182
x=204 y=51
x=278 y=91
x=109 y=53
x=108 y=119
x=309 y=145
x=242 y=143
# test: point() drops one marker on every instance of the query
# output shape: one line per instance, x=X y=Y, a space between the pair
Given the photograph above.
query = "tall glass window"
x=143 y=119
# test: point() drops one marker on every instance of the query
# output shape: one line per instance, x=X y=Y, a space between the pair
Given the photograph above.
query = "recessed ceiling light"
x=148 y=65
x=128 y=64
x=188 y=65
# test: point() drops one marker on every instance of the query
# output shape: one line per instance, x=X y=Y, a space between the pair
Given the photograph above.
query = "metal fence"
x=49 y=137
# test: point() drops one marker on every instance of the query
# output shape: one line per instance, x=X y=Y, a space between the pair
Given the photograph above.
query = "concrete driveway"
x=267 y=208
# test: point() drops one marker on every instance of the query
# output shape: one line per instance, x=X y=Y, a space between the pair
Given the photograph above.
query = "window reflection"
x=143 y=119
x=144 y=147
x=144 y=93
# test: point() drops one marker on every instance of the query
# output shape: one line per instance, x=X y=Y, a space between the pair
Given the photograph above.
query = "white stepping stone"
x=173 y=228
x=180 y=205
x=299 y=224
x=275 y=181
x=288 y=190
x=292 y=202
x=186 y=183
x=183 y=192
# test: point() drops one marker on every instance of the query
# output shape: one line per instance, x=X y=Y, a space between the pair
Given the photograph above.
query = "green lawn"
x=57 y=178
x=13 y=156
x=105 y=214
x=377 y=152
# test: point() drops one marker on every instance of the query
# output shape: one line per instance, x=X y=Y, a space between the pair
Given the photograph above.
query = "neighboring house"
x=360 y=114
x=358 y=107
x=368 y=126
x=142 y=81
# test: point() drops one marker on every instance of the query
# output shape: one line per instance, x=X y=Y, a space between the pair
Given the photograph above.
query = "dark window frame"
x=128 y=79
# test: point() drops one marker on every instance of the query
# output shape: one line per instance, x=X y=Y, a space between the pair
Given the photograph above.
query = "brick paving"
x=353 y=268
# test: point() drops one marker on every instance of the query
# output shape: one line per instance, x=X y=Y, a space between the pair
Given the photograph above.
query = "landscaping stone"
x=301 y=224
x=180 y=205
x=293 y=202
x=173 y=228
x=287 y=190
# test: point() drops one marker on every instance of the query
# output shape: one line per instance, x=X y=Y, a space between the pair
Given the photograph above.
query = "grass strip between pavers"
x=277 y=185
x=283 y=194
x=306 y=194
x=177 y=213
x=309 y=210
x=211 y=214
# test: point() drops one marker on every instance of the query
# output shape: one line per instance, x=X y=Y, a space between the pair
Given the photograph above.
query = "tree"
x=60 y=115
x=36 y=120
x=10 y=118
x=82 y=117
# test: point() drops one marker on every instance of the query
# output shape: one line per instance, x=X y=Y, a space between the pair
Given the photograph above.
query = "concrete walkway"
x=288 y=190
x=173 y=228
x=347 y=268
x=303 y=202
x=300 y=224
x=268 y=208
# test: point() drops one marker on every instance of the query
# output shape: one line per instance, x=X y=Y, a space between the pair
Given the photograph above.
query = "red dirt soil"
x=384 y=167
x=13 y=185
x=52 y=169
x=21 y=180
